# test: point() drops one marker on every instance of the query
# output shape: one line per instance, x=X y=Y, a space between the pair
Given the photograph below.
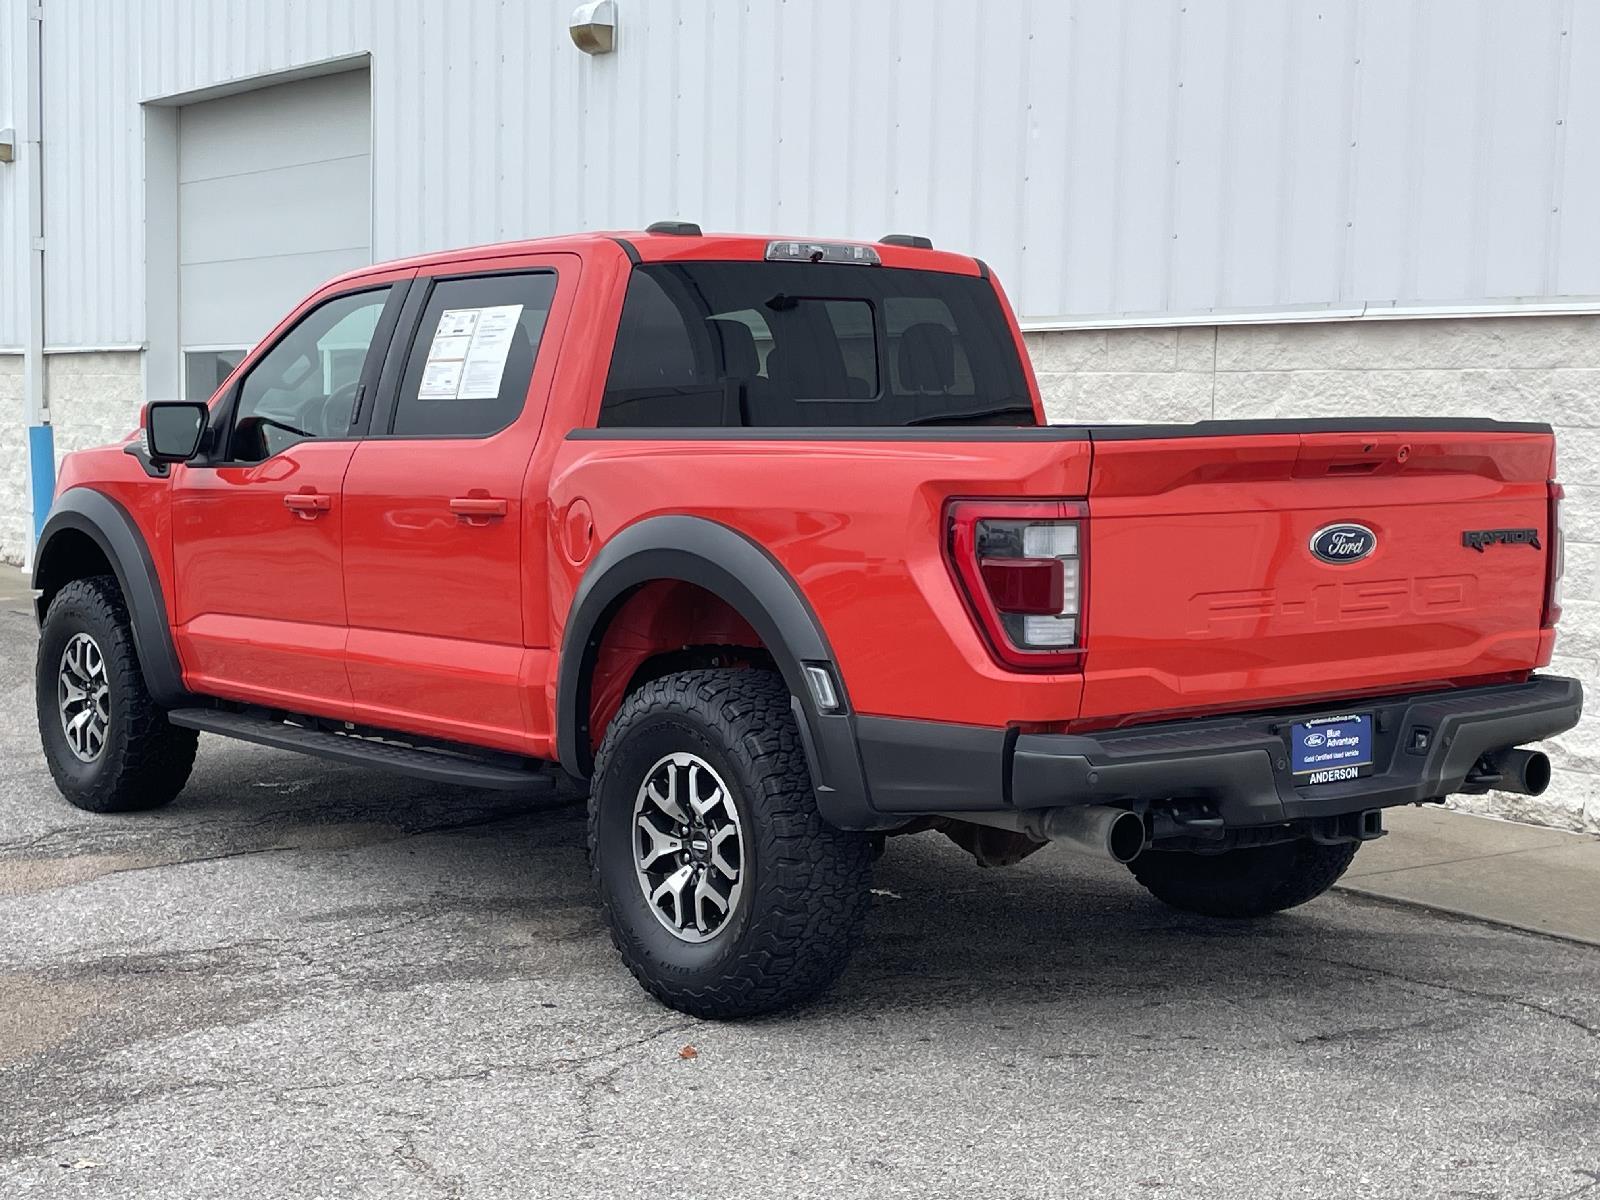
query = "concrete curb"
x=1528 y=877
x=1445 y=910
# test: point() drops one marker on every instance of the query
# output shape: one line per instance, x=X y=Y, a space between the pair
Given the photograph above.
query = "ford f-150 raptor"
x=769 y=541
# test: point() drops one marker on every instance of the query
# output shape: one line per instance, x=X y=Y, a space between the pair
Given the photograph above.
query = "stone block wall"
x=1514 y=368
x=94 y=398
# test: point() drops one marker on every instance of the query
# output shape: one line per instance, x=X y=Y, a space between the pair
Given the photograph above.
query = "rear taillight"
x=1556 y=559
x=1021 y=569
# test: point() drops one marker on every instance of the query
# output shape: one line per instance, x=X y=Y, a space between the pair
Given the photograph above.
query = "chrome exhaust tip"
x=1097 y=829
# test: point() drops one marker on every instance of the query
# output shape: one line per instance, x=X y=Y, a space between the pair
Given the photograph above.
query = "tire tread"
x=152 y=758
x=812 y=900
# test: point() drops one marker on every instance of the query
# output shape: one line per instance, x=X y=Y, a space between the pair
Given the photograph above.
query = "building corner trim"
x=41 y=440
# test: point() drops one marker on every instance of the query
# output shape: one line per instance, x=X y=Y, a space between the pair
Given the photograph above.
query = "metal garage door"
x=274 y=196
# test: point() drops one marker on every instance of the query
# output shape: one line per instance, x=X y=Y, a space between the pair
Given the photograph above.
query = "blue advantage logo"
x=1346 y=542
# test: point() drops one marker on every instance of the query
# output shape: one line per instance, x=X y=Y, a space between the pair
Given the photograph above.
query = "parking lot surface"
x=305 y=980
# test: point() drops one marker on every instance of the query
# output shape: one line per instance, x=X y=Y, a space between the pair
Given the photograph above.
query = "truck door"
x=437 y=522
x=257 y=527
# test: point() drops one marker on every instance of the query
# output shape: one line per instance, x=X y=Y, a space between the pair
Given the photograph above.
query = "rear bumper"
x=1236 y=765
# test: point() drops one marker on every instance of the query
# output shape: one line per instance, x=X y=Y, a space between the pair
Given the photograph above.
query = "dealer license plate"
x=1331 y=749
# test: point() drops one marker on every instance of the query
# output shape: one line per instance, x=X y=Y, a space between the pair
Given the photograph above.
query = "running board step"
x=441 y=766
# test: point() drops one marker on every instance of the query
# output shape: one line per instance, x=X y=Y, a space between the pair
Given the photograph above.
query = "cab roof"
x=644 y=246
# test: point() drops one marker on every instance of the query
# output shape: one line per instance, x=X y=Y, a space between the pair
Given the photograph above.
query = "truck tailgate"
x=1204 y=591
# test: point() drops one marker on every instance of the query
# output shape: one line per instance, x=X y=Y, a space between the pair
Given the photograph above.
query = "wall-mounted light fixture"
x=594 y=27
x=8 y=145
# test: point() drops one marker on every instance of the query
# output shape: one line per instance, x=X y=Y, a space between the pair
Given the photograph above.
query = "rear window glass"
x=472 y=360
x=808 y=345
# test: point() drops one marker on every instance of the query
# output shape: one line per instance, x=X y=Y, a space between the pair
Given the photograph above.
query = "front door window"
x=305 y=387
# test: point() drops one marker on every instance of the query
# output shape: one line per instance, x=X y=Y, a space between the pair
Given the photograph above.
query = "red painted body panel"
x=109 y=470
x=259 y=605
x=859 y=526
x=257 y=592
x=1201 y=595
x=445 y=687
x=453 y=585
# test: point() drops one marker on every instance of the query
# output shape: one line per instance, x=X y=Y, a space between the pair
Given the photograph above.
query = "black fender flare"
x=108 y=525
x=740 y=572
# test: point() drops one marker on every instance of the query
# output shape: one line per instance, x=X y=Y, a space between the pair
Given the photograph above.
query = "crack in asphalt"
x=473 y=1074
x=1594 y=1182
x=1367 y=1032
x=590 y=1090
x=40 y=839
x=1505 y=998
x=448 y=1185
x=236 y=820
x=180 y=862
x=452 y=1185
x=622 y=1047
x=95 y=841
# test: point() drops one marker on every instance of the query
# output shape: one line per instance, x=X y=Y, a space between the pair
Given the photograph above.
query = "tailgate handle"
x=1351 y=456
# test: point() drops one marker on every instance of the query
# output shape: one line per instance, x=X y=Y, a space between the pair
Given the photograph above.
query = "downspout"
x=36 y=409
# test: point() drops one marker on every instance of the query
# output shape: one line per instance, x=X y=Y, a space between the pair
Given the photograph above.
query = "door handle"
x=478 y=508
x=307 y=505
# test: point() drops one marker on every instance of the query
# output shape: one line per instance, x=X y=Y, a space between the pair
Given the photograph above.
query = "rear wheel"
x=1249 y=882
x=109 y=745
x=725 y=891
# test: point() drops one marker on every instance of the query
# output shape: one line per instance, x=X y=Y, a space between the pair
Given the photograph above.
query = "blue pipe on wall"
x=42 y=473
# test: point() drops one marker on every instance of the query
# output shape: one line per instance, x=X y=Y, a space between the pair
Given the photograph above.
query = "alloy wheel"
x=83 y=697
x=688 y=847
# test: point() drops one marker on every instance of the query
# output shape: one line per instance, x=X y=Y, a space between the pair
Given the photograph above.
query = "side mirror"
x=173 y=430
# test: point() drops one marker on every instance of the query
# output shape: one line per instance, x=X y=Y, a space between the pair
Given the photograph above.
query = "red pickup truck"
x=769 y=541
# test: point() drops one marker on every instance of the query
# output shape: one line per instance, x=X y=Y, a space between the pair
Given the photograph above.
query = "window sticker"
x=440 y=381
x=468 y=355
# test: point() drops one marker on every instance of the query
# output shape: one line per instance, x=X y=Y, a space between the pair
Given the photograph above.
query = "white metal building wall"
x=102 y=58
x=1188 y=158
x=13 y=196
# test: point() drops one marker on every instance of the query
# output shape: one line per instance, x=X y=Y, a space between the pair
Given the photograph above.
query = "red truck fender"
x=89 y=533
x=744 y=576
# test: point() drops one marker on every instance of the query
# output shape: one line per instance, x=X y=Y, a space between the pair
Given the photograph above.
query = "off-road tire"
x=806 y=884
x=1250 y=882
x=146 y=760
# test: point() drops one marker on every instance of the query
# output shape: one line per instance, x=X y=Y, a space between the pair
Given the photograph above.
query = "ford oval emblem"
x=1343 y=543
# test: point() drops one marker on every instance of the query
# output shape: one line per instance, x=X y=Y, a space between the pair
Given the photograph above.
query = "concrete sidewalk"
x=1525 y=876
x=1542 y=880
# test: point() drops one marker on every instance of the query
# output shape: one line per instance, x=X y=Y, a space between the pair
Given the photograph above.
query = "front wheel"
x=725 y=891
x=1249 y=882
x=109 y=745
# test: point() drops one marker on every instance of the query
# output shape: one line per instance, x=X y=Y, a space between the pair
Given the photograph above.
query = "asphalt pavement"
x=302 y=980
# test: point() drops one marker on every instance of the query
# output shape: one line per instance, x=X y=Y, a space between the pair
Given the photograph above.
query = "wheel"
x=1249 y=882
x=726 y=893
x=109 y=745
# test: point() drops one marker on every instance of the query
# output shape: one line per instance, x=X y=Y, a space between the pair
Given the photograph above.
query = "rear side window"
x=783 y=344
x=471 y=361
